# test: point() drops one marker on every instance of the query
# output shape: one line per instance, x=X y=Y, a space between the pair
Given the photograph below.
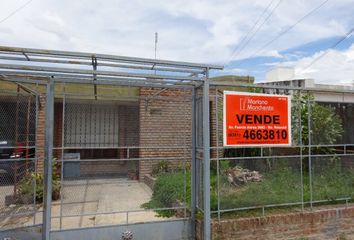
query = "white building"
x=285 y=77
x=339 y=96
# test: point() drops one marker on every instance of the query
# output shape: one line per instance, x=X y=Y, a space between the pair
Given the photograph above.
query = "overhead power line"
x=332 y=47
x=291 y=27
x=287 y=29
x=15 y=11
x=257 y=30
x=251 y=29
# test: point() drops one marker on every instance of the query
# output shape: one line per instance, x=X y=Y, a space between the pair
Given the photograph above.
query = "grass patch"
x=332 y=182
x=282 y=186
x=279 y=186
x=168 y=191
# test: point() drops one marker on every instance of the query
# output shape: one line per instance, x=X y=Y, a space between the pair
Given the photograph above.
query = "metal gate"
x=19 y=156
x=131 y=148
x=115 y=128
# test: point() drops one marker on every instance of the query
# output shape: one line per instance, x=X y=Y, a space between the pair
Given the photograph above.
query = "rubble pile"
x=240 y=176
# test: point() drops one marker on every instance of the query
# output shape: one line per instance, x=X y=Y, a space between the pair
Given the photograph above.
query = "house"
x=136 y=124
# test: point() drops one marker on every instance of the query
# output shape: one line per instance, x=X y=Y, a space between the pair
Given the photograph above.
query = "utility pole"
x=156 y=40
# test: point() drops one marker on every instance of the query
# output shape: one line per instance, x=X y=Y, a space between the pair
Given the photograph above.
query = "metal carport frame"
x=47 y=67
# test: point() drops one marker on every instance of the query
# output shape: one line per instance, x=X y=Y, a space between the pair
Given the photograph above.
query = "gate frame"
x=46 y=75
x=198 y=78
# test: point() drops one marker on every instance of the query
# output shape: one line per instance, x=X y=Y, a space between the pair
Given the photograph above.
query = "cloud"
x=233 y=71
x=198 y=30
x=336 y=67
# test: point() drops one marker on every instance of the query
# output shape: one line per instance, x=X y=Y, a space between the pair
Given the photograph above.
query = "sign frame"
x=289 y=131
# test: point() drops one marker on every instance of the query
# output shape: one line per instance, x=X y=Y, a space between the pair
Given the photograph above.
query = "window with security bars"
x=91 y=125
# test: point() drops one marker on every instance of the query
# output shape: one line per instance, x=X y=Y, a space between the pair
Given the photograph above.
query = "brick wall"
x=316 y=225
x=162 y=121
x=216 y=122
x=165 y=120
x=40 y=134
x=58 y=129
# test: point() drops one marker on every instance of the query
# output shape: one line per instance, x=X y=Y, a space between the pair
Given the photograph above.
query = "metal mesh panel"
x=199 y=149
x=19 y=190
x=101 y=149
x=119 y=119
x=274 y=182
x=332 y=178
x=315 y=169
x=105 y=146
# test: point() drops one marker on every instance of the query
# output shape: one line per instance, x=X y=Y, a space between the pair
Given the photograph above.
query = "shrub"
x=26 y=185
x=160 y=167
x=168 y=191
x=280 y=185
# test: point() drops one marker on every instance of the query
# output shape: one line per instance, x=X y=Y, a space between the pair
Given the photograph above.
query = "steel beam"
x=103 y=64
x=51 y=53
x=206 y=157
x=193 y=164
x=48 y=155
x=54 y=70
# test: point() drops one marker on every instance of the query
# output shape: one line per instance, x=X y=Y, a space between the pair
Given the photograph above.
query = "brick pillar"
x=164 y=121
x=58 y=129
x=40 y=133
x=216 y=123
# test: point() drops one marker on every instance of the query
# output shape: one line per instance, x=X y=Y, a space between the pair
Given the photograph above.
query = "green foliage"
x=160 y=167
x=280 y=185
x=331 y=181
x=224 y=165
x=342 y=236
x=326 y=126
x=168 y=191
x=283 y=185
x=26 y=185
x=309 y=118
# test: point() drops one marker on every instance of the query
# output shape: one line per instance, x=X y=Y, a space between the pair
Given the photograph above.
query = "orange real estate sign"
x=252 y=119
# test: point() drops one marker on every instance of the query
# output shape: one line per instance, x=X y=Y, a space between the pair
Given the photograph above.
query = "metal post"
x=35 y=161
x=62 y=158
x=206 y=153
x=309 y=150
x=301 y=153
x=345 y=149
x=217 y=152
x=94 y=66
x=194 y=164
x=48 y=155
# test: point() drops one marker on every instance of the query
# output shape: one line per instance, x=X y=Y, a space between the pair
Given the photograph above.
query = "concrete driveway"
x=97 y=202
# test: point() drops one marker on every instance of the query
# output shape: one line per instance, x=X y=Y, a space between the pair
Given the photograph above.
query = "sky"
x=227 y=32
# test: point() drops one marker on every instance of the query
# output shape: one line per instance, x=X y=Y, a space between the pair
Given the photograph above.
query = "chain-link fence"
x=315 y=170
x=121 y=159
x=137 y=140
x=20 y=188
x=113 y=138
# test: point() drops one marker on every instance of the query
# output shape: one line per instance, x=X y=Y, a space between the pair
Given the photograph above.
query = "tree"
x=325 y=125
x=325 y=129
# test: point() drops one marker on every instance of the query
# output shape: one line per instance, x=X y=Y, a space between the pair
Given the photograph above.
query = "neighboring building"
x=340 y=97
x=280 y=74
